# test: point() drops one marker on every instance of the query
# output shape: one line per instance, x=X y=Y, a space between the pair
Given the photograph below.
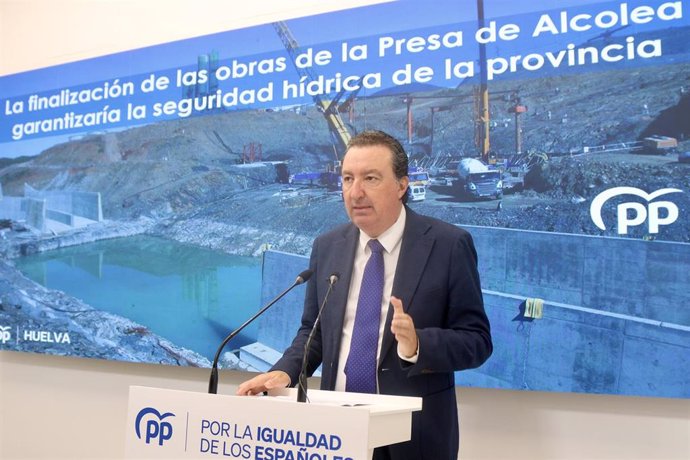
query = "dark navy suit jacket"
x=438 y=283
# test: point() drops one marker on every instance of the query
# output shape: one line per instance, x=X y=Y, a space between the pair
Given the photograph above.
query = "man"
x=430 y=318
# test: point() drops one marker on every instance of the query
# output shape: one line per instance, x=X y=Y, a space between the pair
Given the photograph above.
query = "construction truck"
x=418 y=176
x=659 y=145
x=416 y=192
x=419 y=179
x=328 y=179
x=477 y=180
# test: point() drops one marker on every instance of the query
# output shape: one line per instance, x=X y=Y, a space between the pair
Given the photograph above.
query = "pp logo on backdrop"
x=156 y=429
x=5 y=334
x=632 y=214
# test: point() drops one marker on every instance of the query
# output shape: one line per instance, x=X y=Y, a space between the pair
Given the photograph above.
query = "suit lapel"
x=415 y=248
x=341 y=264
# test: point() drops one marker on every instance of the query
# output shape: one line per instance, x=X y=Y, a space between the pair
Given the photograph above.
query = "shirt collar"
x=391 y=237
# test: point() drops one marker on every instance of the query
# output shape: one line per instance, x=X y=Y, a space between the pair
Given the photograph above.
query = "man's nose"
x=357 y=190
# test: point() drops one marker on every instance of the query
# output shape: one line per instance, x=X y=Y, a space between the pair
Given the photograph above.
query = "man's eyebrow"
x=364 y=173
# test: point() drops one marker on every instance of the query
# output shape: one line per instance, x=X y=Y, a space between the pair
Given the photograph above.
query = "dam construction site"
x=549 y=145
x=518 y=163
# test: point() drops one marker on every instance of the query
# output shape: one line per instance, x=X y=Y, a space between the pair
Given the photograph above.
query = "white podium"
x=175 y=424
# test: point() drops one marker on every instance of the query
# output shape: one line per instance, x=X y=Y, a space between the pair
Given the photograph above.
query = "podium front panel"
x=176 y=424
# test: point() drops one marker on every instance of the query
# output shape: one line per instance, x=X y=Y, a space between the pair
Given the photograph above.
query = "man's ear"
x=404 y=182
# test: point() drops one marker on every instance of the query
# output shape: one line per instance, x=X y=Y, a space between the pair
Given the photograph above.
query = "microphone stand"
x=302 y=380
x=213 y=380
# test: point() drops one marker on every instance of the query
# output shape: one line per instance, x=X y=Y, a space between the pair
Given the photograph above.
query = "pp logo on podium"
x=156 y=429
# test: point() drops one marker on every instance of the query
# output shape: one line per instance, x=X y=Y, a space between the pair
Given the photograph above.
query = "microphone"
x=213 y=381
x=302 y=381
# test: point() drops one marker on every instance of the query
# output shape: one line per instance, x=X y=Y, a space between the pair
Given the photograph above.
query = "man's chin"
x=364 y=214
x=362 y=221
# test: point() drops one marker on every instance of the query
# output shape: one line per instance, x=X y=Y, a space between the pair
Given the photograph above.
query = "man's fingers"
x=250 y=387
x=263 y=382
x=280 y=380
x=401 y=320
x=397 y=305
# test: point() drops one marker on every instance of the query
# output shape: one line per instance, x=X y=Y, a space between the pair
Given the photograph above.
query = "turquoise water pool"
x=191 y=296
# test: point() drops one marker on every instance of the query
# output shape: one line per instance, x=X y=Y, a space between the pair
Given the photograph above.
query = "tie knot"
x=375 y=246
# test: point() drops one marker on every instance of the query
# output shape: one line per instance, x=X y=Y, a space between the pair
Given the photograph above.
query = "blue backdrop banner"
x=152 y=200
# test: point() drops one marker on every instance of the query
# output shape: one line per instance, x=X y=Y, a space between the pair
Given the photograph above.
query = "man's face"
x=371 y=192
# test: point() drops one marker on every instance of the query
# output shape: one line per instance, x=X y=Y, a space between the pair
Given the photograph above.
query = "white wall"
x=69 y=408
x=73 y=408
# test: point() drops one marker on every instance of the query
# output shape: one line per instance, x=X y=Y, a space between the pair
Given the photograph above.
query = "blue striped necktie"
x=360 y=367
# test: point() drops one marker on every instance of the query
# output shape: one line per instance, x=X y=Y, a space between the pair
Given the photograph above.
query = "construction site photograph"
x=151 y=240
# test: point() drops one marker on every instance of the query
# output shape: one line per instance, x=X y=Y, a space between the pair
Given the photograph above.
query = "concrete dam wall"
x=614 y=312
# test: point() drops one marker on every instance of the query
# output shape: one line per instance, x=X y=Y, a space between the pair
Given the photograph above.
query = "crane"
x=481 y=133
x=329 y=108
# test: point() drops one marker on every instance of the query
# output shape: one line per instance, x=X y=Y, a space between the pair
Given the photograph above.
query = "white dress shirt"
x=390 y=240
